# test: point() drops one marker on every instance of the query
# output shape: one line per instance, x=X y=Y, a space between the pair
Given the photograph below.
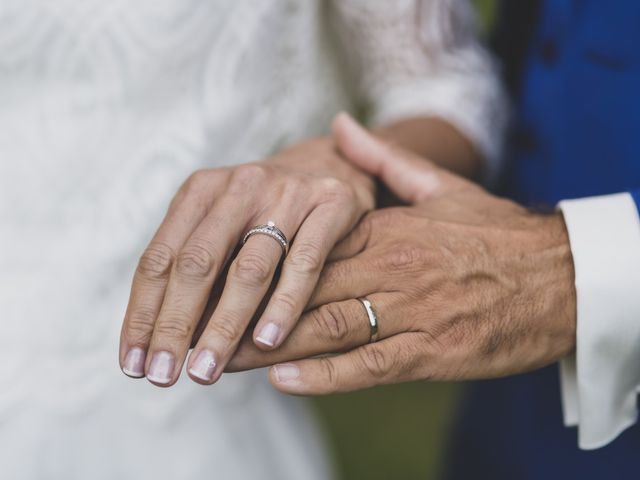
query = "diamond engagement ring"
x=271 y=230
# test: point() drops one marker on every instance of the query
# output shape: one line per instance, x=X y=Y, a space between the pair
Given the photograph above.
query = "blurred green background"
x=391 y=432
x=398 y=431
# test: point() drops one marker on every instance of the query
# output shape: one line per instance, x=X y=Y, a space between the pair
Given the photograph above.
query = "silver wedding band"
x=373 y=318
x=272 y=231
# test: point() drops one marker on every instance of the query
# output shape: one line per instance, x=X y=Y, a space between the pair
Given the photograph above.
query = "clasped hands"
x=465 y=284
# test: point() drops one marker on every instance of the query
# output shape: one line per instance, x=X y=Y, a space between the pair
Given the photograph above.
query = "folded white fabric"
x=600 y=381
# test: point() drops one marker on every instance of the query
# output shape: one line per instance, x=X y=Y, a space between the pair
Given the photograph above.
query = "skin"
x=466 y=285
x=436 y=140
x=311 y=193
x=317 y=201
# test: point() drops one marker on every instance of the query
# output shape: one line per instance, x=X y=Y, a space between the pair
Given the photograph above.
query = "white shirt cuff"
x=600 y=381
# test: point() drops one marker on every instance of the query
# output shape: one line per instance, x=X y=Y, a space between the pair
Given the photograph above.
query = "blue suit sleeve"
x=636 y=198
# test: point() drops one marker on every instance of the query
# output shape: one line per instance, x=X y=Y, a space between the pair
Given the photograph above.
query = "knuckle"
x=227 y=328
x=330 y=322
x=375 y=360
x=307 y=258
x=286 y=303
x=156 y=261
x=334 y=189
x=252 y=268
x=174 y=325
x=194 y=184
x=245 y=177
x=402 y=258
x=330 y=374
x=139 y=325
x=196 y=260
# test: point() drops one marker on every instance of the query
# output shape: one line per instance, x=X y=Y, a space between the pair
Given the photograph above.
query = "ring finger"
x=248 y=280
x=300 y=272
x=331 y=328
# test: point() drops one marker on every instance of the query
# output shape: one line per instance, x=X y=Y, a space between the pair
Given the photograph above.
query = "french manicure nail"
x=203 y=366
x=286 y=372
x=269 y=334
x=134 y=363
x=161 y=367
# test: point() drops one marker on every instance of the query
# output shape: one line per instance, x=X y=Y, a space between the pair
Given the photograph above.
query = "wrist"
x=557 y=270
x=437 y=140
x=537 y=269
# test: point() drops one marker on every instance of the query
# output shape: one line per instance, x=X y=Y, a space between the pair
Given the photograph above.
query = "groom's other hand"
x=465 y=285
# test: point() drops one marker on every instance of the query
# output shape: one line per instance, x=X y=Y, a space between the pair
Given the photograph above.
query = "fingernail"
x=203 y=366
x=269 y=334
x=161 y=367
x=134 y=363
x=286 y=372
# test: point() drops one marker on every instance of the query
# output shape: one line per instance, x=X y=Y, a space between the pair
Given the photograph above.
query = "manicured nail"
x=203 y=366
x=161 y=367
x=134 y=363
x=269 y=334
x=286 y=372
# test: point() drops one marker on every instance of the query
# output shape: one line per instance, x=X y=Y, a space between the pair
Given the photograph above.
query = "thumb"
x=411 y=177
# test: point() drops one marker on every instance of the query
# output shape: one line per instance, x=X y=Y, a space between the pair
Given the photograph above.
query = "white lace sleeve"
x=423 y=58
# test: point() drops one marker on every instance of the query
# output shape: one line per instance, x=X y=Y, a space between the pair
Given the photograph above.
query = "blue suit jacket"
x=577 y=134
x=578 y=112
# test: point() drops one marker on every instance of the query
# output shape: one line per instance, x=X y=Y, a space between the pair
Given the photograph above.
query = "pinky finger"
x=393 y=360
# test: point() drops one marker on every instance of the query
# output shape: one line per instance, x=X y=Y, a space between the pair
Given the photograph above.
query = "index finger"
x=331 y=328
x=396 y=359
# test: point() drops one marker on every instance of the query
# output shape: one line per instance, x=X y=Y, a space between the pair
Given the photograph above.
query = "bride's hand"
x=310 y=194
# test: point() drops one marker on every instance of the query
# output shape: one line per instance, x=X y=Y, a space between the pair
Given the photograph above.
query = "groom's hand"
x=465 y=285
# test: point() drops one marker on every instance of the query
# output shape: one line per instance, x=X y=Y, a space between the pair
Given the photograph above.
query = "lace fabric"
x=105 y=108
x=424 y=58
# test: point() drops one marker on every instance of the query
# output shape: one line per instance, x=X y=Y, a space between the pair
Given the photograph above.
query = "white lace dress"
x=105 y=107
